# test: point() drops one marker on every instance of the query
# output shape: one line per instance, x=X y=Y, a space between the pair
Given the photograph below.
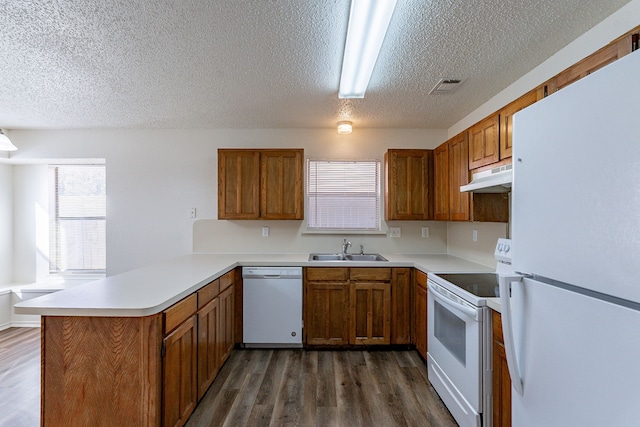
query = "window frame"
x=54 y=219
x=380 y=230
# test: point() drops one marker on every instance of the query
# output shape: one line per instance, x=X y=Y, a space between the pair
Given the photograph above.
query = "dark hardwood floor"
x=322 y=388
x=265 y=387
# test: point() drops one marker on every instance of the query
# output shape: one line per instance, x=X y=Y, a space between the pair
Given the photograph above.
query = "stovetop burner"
x=479 y=284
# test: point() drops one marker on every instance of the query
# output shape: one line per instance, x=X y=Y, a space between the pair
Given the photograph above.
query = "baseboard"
x=25 y=324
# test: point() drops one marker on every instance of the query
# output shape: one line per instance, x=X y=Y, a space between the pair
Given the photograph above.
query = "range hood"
x=496 y=180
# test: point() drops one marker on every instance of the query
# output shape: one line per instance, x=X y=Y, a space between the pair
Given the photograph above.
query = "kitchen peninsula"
x=104 y=344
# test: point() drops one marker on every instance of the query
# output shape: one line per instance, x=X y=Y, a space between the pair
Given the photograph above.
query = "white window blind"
x=343 y=195
x=77 y=226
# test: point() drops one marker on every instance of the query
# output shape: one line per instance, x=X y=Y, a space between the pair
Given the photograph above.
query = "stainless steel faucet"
x=345 y=246
x=361 y=249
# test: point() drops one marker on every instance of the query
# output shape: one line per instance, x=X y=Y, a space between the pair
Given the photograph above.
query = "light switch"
x=425 y=231
x=265 y=231
x=192 y=212
x=475 y=235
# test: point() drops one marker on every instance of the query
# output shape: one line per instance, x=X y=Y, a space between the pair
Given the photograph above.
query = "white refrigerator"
x=572 y=322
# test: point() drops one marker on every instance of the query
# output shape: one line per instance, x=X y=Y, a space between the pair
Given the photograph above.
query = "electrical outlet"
x=265 y=231
x=395 y=232
x=192 y=212
x=475 y=235
x=425 y=231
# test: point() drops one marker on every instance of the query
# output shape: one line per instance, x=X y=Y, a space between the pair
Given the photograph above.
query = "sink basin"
x=366 y=257
x=327 y=257
x=348 y=257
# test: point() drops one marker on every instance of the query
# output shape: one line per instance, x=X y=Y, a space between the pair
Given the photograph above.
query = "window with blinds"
x=77 y=213
x=343 y=195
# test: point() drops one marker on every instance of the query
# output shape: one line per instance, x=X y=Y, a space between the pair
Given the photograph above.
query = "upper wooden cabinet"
x=238 y=184
x=408 y=184
x=484 y=142
x=451 y=170
x=281 y=184
x=441 y=180
x=506 y=121
x=260 y=184
x=459 y=175
x=590 y=64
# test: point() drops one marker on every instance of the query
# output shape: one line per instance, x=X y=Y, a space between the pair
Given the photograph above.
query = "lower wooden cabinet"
x=370 y=313
x=501 y=381
x=227 y=325
x=199 y=337
x=420 y=313
x=401 y=305
x=208 y=360
x=180 y=390
x=326 y=317
x=357 y=306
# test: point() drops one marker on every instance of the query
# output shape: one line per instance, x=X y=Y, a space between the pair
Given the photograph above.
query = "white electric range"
x=459 y=339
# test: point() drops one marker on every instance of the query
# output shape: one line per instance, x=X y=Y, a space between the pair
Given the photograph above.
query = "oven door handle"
x=440 y=296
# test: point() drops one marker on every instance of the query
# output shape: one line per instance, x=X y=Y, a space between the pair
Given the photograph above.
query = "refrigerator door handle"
x=507 y=330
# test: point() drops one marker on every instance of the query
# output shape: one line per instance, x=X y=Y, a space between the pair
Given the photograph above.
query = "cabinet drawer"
x=226 y=280
x=421 y=279
x=370 y=273
x=208 y=292
x=179 y=312
x=320 y=273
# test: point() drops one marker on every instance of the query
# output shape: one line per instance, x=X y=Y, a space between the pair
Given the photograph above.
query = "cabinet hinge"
x=163 y=350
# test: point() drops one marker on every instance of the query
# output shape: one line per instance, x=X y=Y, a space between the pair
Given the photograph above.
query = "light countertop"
x=149 y=290
x=494 y=304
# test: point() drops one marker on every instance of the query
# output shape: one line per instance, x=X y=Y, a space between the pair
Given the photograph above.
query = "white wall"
x=30 y=223
x=155 y=176
x=6 y=223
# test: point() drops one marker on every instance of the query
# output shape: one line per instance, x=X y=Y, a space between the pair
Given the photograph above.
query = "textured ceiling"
x=265 y=64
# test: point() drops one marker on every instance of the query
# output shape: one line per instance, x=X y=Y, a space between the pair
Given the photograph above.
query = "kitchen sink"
x=346 y=257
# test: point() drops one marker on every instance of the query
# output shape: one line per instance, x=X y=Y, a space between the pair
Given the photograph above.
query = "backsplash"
x=287 y=237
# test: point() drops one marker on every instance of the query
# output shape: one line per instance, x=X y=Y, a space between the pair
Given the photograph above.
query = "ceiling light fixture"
x=368 y=23
x=345 y=128
x=5 y=143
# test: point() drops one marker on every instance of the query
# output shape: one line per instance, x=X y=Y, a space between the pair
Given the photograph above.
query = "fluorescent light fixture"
x=368 y=23
x=5 y=143
x=345 y=128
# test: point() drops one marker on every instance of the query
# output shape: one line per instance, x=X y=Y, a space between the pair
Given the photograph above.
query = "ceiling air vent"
x=445 y=86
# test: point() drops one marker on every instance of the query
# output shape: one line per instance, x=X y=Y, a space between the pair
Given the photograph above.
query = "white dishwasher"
x=272 y=306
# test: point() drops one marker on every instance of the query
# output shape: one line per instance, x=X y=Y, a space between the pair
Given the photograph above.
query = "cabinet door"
x=409 y=185
x=281 y=184
x=401 y=306
x=441 y=182
x=370 y=313
x=208 y=319
x=459 y=175
x=238 y=184
x=226 y=326
x=326 y=313
x=484 y=142
x=180 y=391
x=506 y=121
x=420 y=313
x=501 y=379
